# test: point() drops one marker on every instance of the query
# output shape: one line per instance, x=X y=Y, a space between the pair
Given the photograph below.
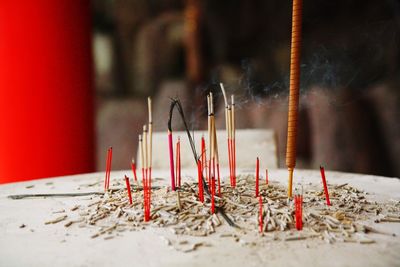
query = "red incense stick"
x=219 y=181
x=213 y=171
x=234 y=161
x=233 y=129
x=106 y=172
x=148 y=199
x=212 y=195
x=325 y=186
x=230 y=161
x=298 y=201
x=128 y=188
x=257 y=176
x=108 y=169
x=178 y=163
x=200 y=181
x=171 y=160
x=260 y=219
x=149 y=194
x=133 y=165
x=266 y=176
x=209 y=172
x=203 y=154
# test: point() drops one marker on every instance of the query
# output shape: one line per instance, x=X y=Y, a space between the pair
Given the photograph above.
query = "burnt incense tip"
x=224 y=94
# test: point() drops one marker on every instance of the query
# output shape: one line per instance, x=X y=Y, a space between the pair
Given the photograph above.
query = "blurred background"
x=350 y=97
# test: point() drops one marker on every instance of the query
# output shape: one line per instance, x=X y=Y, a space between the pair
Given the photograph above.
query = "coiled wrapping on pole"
x=294 y=84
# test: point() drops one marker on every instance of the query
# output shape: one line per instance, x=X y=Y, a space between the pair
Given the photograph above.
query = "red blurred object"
x=46 y=98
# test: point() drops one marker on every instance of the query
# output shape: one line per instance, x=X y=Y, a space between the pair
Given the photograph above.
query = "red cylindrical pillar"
x=46 y=97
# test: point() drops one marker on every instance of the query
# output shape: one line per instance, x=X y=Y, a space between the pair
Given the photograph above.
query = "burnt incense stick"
x=128 y=189
x=144 y=177
x=170 y=146
x=217 y=158
x=233 y=140
x=45 y=195
x=203 y=156
x=150 y=151
x=141 y=156
x=133 y=165
x=106 y=172
x=22 y=196
x=293 y=91
x=209 y=139
x=171 y=160
x=145 y=151
x=212 y=142
x=176 y=103
x=228 y=132
x=108 y=169
x=178 y=163
x=230 y=148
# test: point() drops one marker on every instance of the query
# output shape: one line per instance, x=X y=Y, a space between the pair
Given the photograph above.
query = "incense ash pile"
x=183 y=214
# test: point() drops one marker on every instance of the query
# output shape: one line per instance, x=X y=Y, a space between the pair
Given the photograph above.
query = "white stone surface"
x=54 y=245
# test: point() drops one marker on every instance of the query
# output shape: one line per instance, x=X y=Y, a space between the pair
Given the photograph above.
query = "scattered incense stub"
x=75 y=207
x=133 y=166
x=57 y=220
